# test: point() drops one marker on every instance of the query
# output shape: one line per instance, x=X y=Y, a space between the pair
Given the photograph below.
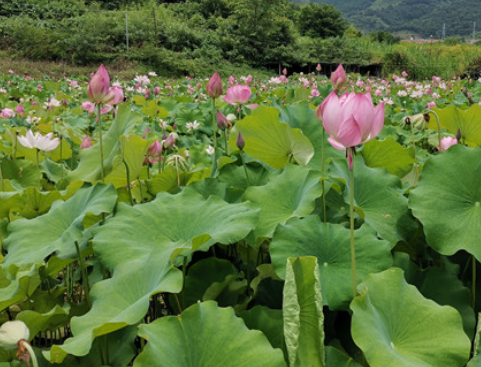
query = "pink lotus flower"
x=153 y=153
x=351 y=119
x=7 y=113
x=20 y=110
x=88 y=106
x=39 y=141
x=98 y=89
x=447 y=142
x=404 y=74
x=318 y=67
x=118 y=96
x=338 y=78
x=214 y=86
x=238 y=94
x=86 y=143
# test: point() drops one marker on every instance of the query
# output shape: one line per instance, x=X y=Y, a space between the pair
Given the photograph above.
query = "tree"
x=384 y=37
x=322 y=21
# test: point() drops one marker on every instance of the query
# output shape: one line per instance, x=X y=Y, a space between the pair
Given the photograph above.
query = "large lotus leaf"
x=290 y=194
x=203 y=274
x=268 y=321
x=394 y=325
x=336 y=358
x=51 y=320
x=380 y=199
x=148 y=235
x=302 y=116
x=330 y=243
x=388 y=154
x=205 y=335
x=89 y=165
x=132 y=151
x=31 y=240
x=442 y=285
x=36 y=203
x=18 y=284
x=21 y=173
x=453 y=119
x=271 y=141
x=302 y=312
x=447 y=201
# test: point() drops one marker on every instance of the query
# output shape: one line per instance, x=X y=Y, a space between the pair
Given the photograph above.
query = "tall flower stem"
x=2 y=186
x=414 y=150
x=324 y=216
x=350 y=152
x=245 y=169
x=214 y=122
x=29 y=348
x=99 y=120
x=439 y=127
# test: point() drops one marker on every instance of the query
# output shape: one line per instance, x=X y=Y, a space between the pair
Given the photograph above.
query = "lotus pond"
x=156 y=231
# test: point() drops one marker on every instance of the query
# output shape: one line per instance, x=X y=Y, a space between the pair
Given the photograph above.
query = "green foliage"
x=321 y=21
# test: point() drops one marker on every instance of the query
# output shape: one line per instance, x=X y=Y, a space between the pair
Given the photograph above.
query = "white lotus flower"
x=38 y=141
x=192 y=126
x=210 y=150
x=11 y=333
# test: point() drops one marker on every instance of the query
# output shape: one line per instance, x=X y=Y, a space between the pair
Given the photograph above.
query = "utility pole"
x=443 y=37
x=474 y=32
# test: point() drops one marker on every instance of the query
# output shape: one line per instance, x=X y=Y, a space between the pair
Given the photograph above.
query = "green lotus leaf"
x=302 y=116
x=394 y=325
x=380 y=199
x=336 y=358
x=271 y=141
x=203 y=274
x=132 y=151
x=205 y=335
x=36 y=203
x=149 y=235
x=453 y=118
x=330 y=244
x=17 y=284
x=21 y=173
x=290 y=194
x=449 y=205
x=388 y=154
x=57 y=230
x=268 y=321
x=302 y=312
x=89 y=165
x=37 y=322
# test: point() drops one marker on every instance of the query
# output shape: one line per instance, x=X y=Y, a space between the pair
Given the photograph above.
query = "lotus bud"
x=11 y=333
x=240 y=142
x=458 y=135
x=155 y=149
x=222 y=121
x=156 y=90
x=86 y=143
x=20 y=110
x=98 y=89
x=318 y=67
x=118 y=95
x=169 y=142
x=338 y=78
x=231 y=117
x=214 y=86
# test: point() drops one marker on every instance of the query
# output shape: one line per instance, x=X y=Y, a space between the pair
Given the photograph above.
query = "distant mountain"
x=425 y=17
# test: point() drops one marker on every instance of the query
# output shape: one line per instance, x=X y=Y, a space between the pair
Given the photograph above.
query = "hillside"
x=425 y=17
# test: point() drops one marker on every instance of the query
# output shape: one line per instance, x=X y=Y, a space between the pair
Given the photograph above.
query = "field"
x=211 y=222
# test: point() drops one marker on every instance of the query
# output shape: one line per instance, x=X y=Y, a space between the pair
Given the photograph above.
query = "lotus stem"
x=1 y=176
x=324 y=216
x=414 y=150
x=83 y=271
x=439 y=127
x=30 y=350
x=245 y=169
x=350 y=152
x=99 y=120
x=226 y=143
x=214 y=121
